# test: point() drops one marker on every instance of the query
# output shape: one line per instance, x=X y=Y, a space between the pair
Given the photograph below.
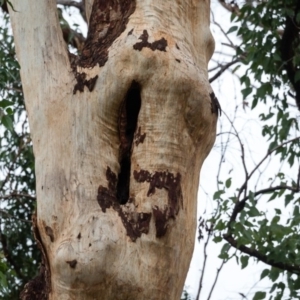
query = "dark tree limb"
x=262 y=257
x=4 y=7
x=223 y=68
x=73 y=38
x=18 y=195
x=289 y=42
x=240 y=204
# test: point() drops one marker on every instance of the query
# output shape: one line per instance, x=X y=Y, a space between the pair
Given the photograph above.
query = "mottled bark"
x=119 y=137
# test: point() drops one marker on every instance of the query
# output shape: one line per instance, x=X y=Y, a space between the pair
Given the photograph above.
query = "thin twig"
x=242 y=154
x=239 y=205
x=261 y=257
x=269 y=152
x=216 y=279
x=4 y=212
x=223 y=69
x=230 y=46
x=221 y=28
x=233 y=8
x=209 y=232
x=18 y=195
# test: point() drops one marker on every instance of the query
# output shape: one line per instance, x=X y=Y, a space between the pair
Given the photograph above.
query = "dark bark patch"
x=169 y=182
x=108 y=20
x=39 y=287
x=138 y=137
x=138 y=223
x=161 y=221
x=107 y=196
x=79 y=235
x=72 y=263
x=111 y=178
x=130 y=32
x=177 y=46
x=215 y=105
x=49 y=232
x=134 y=223
x=82 y=82
x=178 y=60
x=159 y=45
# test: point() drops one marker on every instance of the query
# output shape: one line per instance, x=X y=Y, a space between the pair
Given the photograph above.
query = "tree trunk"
x=119 y=137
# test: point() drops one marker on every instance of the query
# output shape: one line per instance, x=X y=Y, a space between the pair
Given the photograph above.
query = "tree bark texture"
x=119 y=136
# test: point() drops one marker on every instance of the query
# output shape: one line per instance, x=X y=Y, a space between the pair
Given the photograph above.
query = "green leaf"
x=264 y=273
x=228 y=183
x=244 y=260
x=7 y=122
x=259 y=296
x=4 y=103
x=217 y=239
x=253 y=212
x=277 y=211
x=246 y=92
x=217 y=194
x=297 y=76
x=220 y=225
x=274 y=274
x=232 y=29
x=224 y=251
x=9 y=111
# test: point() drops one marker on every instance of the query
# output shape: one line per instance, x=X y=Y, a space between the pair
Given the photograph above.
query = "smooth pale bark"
x=97 y=248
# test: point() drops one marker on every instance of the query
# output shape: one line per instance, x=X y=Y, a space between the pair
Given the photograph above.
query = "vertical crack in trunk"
x=129 y=112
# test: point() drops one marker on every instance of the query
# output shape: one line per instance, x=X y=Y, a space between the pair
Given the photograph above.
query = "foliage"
x=17 y=176
x=185 y=296
x=270 y=53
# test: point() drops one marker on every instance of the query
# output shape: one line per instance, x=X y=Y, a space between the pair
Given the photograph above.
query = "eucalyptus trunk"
x=119 y=135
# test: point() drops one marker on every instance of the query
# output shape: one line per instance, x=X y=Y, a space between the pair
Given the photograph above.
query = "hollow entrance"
x=128 y=118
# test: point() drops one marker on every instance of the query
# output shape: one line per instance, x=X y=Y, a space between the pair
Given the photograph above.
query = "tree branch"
x=2 y=211
x=262 y=257
x=240 y=204
x=223 y=68
x=216 y=279
x=18 y=195
x=233 y=8
x=73 y=38
x=209 y=232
